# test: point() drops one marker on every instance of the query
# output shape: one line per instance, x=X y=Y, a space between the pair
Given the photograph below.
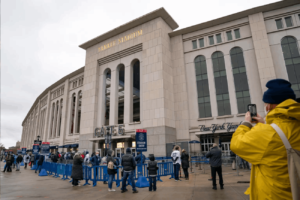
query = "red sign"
x=46 y=143
x=141 y=130
x=36 y=144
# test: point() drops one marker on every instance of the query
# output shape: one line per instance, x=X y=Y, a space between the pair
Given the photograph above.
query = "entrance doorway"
x=225 y=148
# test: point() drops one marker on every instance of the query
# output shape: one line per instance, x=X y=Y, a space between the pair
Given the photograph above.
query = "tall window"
x=202 y=87
x=136 y=91
x=240 y=79
x=79 y=111
x=237 y=33
x=52 y=120
x=229 y=35
x=194 y=44
x=107 y=96
x=73 y=104
x=60 y=114
x=288 y=21
x=201 y=42
x=211 y=40
x=221 y=84
x=292 y=62
x=219 y=39
x=121 y=94
x=56 y=118
x=279 y=23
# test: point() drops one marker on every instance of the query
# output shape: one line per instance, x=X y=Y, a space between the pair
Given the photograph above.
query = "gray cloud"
x=39 y=42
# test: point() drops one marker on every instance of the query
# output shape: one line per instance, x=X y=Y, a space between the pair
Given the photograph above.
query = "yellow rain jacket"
x=262 y=147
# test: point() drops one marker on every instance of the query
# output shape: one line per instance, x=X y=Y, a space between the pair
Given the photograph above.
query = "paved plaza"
x=28 y=185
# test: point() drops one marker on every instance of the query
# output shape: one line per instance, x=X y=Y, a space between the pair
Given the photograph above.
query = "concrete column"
x=37 y=129
x=231 y=86
x=58 y=118
x=101 y=101
x=114 y=89
x=55 y=119
x=262 y=49
x=212 y=88
x=64 y=114
x=75 y=114
x=128 y=107
x=47 y=114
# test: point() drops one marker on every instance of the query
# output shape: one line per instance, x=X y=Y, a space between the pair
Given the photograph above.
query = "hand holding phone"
x=253 y=111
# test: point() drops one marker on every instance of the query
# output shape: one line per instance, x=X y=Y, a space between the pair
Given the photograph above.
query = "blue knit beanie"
x=278 y=91
x=128 y=150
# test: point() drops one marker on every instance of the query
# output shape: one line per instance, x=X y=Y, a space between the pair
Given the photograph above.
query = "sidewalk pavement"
x=25 y=184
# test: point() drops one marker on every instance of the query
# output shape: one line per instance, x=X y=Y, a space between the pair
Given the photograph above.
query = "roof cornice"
x=235 y=16
x=161 y=12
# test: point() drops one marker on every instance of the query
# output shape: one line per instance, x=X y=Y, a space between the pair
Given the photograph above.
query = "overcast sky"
x=40 y=38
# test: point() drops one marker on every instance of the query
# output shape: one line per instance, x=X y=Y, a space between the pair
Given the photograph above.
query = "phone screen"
x=252 y=110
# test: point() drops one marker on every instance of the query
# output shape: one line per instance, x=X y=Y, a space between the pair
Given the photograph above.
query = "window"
x=59 y=126
x=52 y=120
x=292 y=62
x=221 y=85
x=279 y=23
x=240 y=79
x=211 y=40
x=219 y=39
x=237 y=33
x=107 y=96
x=299 y=16
x=288 y=21
x=136 y=92
x=201 y=42
x=79 y=111
x=73 y=104
x=229 y=35
x=204 y=107
x=194 y=44
x=121 y=94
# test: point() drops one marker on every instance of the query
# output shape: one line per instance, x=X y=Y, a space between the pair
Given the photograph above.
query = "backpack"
x=110 y=164
x=293 y=157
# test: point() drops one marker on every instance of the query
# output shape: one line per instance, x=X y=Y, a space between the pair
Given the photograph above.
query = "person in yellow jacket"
x=262 y=147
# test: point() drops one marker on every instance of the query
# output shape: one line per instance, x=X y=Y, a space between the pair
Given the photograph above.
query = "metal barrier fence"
x=99 y=173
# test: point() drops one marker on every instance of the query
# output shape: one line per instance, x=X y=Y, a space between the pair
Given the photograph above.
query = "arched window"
x=121 y=88
x=136 y=91
x=73 y=104
x=107 y=96
x=79 y=111
x=52 y=120
x=240 y=79
x=60 y=113
x=221 y=84
x=204 y=107
x=292 y=62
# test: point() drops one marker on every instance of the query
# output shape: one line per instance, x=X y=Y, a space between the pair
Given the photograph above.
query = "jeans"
x=25 y=166
x=110 y=180
x=176 y=170
x=39 y=167
x=18 y=166
x=186 y=173
x=152 y=182
x=8 y=167
x=218 y=170
x=125 y=176
x=74 y=182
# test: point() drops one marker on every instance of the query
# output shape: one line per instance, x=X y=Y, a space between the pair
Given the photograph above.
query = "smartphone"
x=252 y=110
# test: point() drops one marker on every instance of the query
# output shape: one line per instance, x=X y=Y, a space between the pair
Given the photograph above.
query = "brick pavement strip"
x=28 y=185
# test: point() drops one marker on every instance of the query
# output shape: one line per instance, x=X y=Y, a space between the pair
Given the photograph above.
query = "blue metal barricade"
x=86 y=174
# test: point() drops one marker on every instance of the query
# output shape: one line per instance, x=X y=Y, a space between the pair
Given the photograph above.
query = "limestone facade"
x=168 y=95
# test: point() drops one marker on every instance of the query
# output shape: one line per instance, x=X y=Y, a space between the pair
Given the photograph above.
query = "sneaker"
x=109 y=190
x=122 y=191
x=78 y=185
x=175 y=180
x=112 y=190
x=135 y=191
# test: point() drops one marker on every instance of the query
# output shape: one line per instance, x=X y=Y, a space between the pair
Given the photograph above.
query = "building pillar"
x=64 y=114
x=231 y=86
x=114 y=98
x=47 y=114
x=75 y=113
x=128 y=107
x=262 y=49
x=57 y=119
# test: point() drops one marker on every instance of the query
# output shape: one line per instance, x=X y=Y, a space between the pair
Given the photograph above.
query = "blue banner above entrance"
x=141 y=140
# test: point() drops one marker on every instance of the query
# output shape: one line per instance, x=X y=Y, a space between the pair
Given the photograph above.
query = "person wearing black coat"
x=152 y=168
x=55 y=158
x=8 y=163
x=31 y=160
x=77 y=170
x=111 y=172
x=18 y=162
x=185 y=163
x=40 y=163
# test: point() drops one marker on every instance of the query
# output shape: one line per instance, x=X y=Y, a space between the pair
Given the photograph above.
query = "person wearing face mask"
x=261 y=145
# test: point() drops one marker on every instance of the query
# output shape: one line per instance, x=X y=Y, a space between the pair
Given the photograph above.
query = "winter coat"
x=263 y=148
x=110 y=158
x=152 y=167
x=8 y=160
x=185 y=160
x=19 y=159
x=128 y=162
x=140 y=159
x=77 y=170
x=95 y=160
x=41 y=160
x=54 y=158
x=215 y=155
x=87 y=158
